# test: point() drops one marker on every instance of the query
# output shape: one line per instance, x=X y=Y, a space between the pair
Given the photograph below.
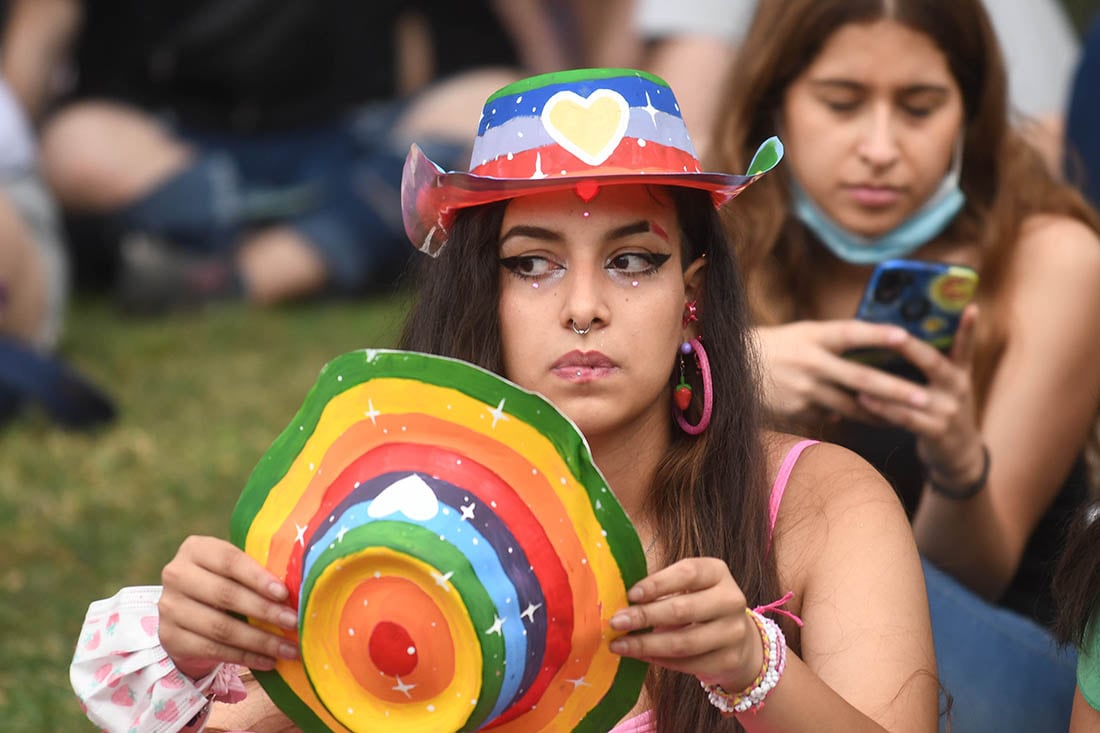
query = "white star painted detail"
x=442 y=580
x=650 y=109
x=538 y=167
x=529 y=612
x=495 y=628
x=343 y=531
x=403 y=687
x=300 y=537
x=579 y=682
x=371 y=412
x=468 y=511
x=498 y=413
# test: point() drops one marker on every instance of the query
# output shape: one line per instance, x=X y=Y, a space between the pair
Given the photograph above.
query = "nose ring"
x=580 y=331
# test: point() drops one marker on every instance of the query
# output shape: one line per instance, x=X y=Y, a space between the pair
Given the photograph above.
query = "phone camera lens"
x=890 y=286
x=915 y=309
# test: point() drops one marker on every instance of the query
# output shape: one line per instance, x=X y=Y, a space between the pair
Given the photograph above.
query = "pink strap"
x=642 y=723
x=781 y=479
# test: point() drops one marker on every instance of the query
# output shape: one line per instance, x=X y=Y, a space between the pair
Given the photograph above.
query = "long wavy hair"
x=1004 y=178
x=709 y=494
x=1077 y=579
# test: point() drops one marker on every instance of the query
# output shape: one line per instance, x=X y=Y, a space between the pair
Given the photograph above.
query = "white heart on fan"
x=410 y=496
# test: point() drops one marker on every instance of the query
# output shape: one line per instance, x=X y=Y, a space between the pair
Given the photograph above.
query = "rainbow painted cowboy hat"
x=583 y=128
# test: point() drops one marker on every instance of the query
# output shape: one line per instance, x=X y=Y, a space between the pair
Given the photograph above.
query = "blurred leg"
x=278 y=264
x=100 y=156
x=23 y=288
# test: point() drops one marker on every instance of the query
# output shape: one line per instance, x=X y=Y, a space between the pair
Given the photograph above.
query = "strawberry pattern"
x=125 y=680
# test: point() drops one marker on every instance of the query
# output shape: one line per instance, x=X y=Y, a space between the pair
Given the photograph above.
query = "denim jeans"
x=1005 y=672
x=338 y=184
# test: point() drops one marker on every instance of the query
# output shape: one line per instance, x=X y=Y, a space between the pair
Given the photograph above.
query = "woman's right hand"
x=207 y=582
x=806 y=378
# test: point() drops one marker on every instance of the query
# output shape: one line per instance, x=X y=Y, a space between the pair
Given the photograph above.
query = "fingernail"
x=620 y=621
x=618 y=646
x=635 y=594
x=263 y=663
x=897 y=335
x=287 y=651
x=288 y=620
x=919 y=399
x=277 y=591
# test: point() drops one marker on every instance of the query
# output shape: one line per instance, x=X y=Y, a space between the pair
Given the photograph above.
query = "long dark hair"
x=1004 y=179
x=709 y=494
x=1076 y=583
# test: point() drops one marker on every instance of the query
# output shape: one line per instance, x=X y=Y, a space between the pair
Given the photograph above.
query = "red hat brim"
x=430 y=196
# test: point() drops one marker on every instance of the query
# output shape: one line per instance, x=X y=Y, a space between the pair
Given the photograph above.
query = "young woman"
x=899 y=146
x=584 y=285
x=1077 y=585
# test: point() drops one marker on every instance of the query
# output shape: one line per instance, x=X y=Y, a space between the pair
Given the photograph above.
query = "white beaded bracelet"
x=775 y=660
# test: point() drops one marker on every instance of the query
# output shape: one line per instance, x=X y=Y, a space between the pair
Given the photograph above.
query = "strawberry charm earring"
x=681 y=395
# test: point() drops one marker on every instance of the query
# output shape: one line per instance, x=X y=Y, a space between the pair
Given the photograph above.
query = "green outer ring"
x=426 y=546
x=564 y=77
x=361 y=366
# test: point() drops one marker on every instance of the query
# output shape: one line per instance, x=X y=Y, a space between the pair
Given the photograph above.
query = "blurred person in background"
x=1082 y=155
x=34 y=287
x=1077 y=587
x=900 y=144
x=248 y=149
x=692 y=43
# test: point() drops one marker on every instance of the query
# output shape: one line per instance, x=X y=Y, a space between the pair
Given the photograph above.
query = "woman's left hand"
x=943 y=419
x=690 y=617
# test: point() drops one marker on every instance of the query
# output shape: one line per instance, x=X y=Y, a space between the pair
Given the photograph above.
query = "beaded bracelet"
x=775 y=660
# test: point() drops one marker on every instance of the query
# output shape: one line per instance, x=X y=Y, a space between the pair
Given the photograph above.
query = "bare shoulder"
x=826 y=476
x=1055 y=255
x=1059 y=248
x=836 y=507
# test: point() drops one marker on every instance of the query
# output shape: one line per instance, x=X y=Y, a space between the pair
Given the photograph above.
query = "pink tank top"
x=647 y=722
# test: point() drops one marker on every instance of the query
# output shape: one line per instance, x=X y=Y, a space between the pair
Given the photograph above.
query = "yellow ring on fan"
x=344 y=697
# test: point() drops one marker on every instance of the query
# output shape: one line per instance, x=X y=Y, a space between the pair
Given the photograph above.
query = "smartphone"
x=925 y=298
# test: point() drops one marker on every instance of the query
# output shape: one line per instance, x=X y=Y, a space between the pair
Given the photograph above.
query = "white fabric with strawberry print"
x=125 y=680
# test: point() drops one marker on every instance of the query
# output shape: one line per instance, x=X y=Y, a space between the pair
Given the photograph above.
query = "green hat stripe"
x=566 y=77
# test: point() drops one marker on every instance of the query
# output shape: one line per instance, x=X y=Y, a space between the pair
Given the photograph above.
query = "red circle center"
x=392 y=649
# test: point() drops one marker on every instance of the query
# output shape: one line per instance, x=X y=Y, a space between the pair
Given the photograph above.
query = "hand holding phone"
x=925 y=298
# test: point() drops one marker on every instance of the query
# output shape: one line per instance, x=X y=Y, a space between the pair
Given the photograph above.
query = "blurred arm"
x=36 y=40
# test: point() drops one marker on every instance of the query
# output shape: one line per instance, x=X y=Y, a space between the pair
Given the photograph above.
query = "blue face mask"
x=919 y=229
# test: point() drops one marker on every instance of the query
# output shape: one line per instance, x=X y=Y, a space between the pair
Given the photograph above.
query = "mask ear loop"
x=954 y=170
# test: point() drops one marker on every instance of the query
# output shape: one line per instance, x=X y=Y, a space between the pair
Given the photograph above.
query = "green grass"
x=81 y=515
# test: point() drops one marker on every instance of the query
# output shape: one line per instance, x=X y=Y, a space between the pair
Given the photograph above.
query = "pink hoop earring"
x=694 y=346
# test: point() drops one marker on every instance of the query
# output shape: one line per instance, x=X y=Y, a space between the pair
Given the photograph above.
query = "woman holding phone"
x=899 y=145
